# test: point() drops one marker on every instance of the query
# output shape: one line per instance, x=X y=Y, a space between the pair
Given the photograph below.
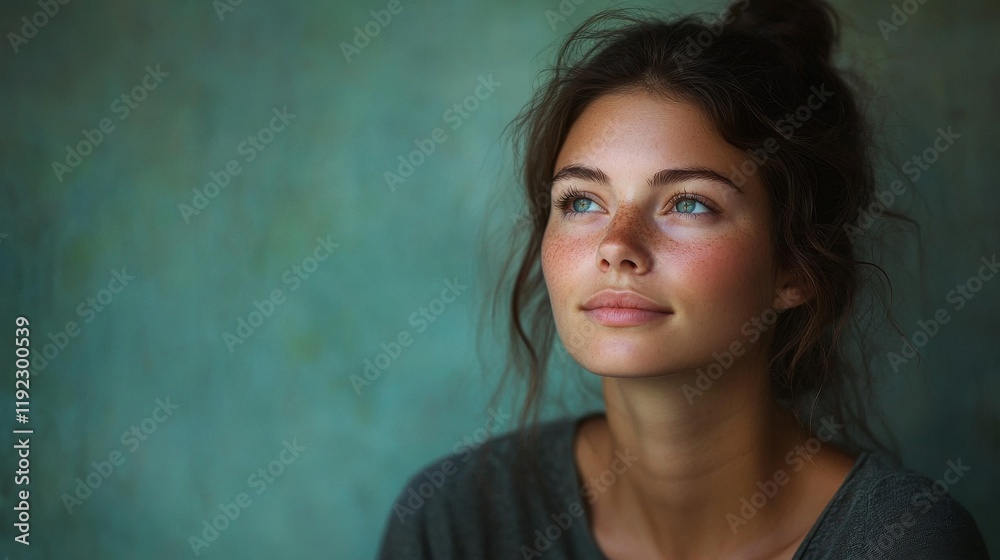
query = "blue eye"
x=690 y=206
x=574 y=202
x=580 y=204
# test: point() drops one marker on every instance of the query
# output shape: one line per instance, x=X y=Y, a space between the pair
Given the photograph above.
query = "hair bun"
x=801 y=28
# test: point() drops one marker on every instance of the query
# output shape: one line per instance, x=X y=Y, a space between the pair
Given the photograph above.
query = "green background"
x=322 y=176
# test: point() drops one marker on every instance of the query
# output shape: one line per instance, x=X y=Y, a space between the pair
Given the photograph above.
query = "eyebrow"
x=660 y=178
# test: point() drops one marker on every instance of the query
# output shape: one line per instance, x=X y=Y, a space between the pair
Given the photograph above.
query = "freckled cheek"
x=564 y=259
x=723 y=277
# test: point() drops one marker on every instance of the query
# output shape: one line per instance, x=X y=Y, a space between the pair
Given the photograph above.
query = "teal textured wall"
x=144 y=301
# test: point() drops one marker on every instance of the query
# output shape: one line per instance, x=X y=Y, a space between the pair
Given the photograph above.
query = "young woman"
x=707 y=181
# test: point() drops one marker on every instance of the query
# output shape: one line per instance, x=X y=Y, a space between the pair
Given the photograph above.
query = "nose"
x=625 y=247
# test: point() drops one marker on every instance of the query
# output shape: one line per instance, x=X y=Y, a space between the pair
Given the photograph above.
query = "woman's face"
x=655 y=208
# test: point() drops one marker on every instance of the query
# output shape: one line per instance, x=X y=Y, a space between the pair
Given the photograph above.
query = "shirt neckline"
x=572 y=494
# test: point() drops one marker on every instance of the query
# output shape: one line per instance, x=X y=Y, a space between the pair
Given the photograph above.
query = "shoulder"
x=888 y=511
x=447 y=505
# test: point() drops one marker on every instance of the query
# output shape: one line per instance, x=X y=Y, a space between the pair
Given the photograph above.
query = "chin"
x=618 y=372
x=624 y=361
x=630 y=353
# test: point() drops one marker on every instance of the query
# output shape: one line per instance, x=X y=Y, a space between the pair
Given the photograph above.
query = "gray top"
x=469 y=505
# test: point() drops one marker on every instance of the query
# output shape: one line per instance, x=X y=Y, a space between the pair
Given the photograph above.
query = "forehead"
x=638 y=130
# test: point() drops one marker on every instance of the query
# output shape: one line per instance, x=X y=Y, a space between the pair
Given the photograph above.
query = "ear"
x=793 y=290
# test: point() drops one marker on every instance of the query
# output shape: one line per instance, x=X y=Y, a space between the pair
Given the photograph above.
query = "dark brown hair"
x=763 y=74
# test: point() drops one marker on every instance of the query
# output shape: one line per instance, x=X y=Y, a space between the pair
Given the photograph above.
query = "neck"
x=696 y=458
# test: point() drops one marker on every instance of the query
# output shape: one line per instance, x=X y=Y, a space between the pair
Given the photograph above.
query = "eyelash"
x=565 y=203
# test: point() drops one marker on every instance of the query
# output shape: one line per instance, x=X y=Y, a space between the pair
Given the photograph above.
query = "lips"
x=622 y=308
x=623 y=299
